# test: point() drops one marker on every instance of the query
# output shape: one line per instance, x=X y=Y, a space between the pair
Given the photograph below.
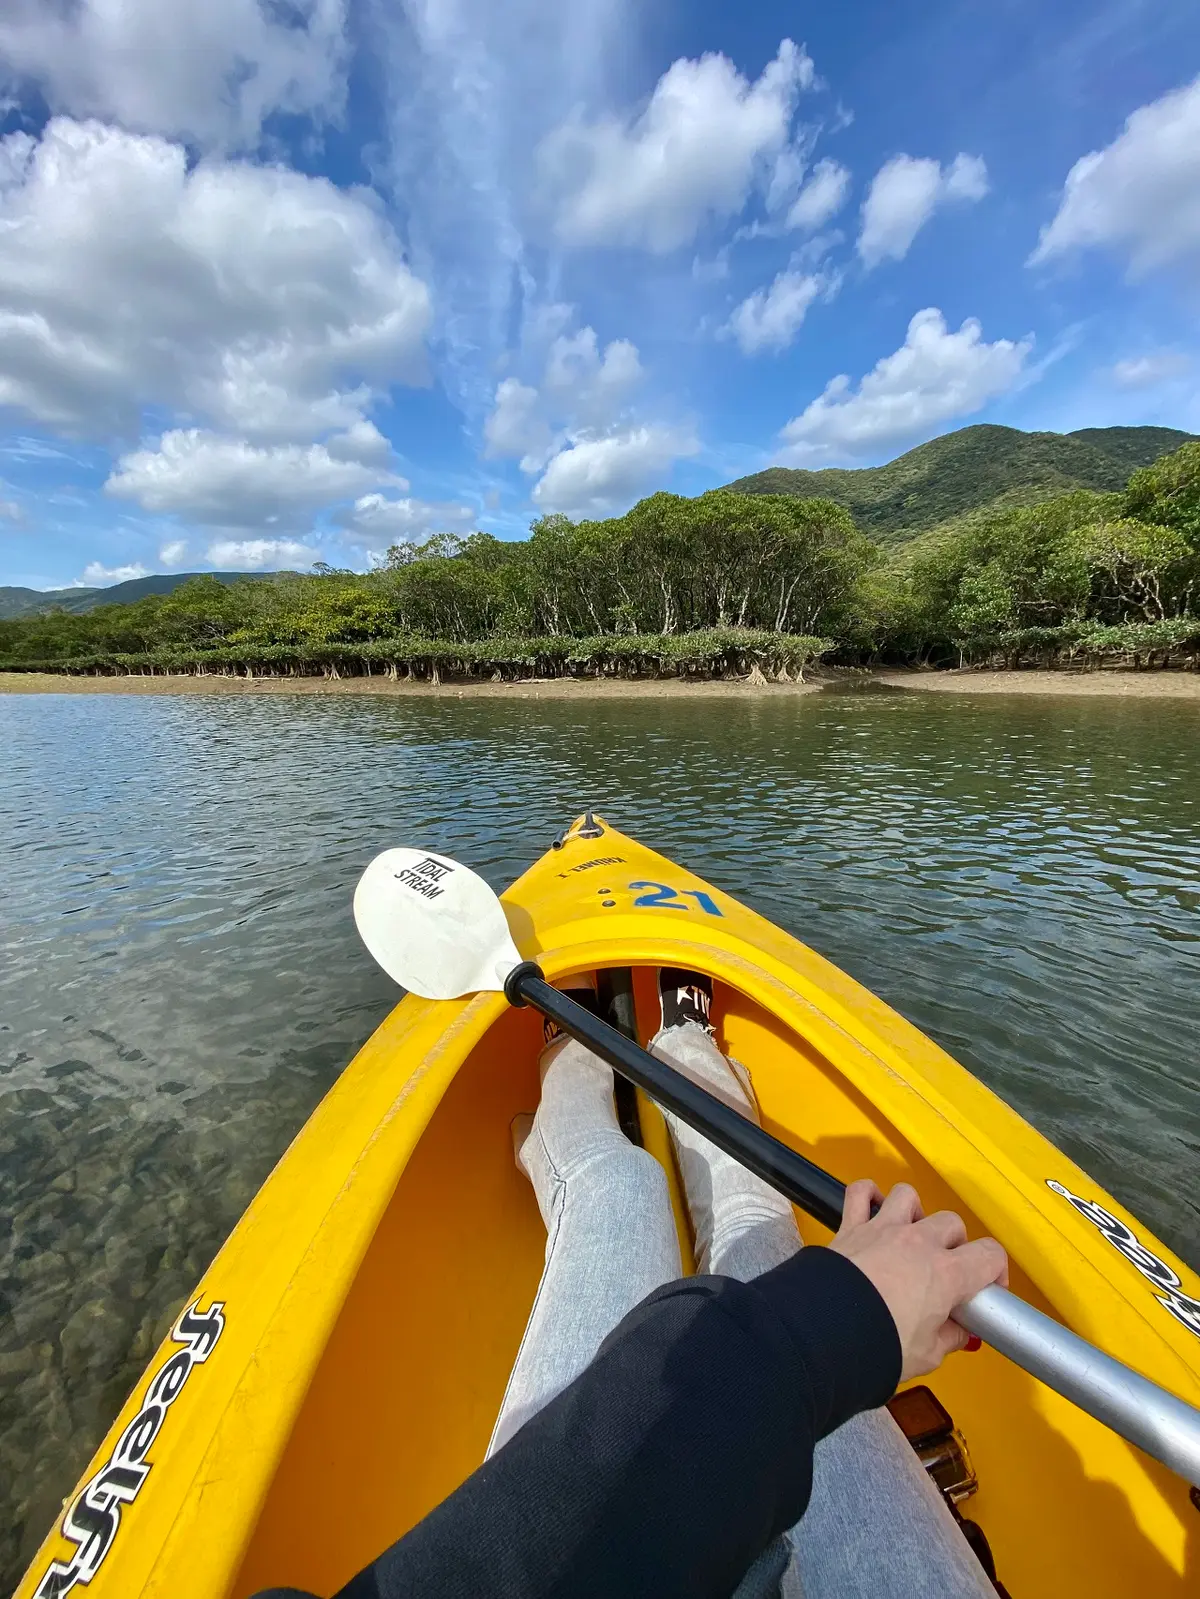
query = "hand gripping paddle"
x=439 y=931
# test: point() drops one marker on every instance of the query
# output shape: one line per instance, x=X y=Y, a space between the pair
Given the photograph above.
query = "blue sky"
x=291 y=282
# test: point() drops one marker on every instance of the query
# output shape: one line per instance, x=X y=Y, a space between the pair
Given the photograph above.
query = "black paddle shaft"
x=816 y=1192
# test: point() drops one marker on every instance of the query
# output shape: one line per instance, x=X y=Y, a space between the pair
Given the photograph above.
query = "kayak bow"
x=338 y=1369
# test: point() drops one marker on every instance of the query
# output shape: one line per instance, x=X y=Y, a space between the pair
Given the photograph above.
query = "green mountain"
x=25 y=602
x=972 y=468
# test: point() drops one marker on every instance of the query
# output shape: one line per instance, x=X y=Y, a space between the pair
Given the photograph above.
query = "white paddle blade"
x=433 y=925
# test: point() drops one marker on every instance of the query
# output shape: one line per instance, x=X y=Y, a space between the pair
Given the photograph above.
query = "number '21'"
x=668 y=898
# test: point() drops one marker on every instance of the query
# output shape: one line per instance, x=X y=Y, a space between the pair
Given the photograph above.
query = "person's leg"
x=611 y=1236
x=875 y=1525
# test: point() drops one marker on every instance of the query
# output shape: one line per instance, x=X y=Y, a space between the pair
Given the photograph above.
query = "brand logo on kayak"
x=586 y=866
x=93 y=1520
x=424 y=877
x=1157 y=1271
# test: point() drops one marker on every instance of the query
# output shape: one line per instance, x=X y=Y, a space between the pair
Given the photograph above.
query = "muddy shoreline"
x=1065 y=684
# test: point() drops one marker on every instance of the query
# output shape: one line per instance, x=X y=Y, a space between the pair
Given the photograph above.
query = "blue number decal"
x=705 y=901
x=662 y=895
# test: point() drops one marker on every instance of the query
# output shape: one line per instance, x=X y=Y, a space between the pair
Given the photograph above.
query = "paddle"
x=439 y=931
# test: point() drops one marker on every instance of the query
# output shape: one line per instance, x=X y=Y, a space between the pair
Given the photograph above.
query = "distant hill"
x=971 y=468
x=25 y=602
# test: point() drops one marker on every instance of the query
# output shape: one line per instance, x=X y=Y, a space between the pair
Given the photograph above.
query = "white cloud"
x=822 y=197
x=362 y=443
x=224 y=482
x=581 y=390
x=97 y=576
x=1145 y=371
x=936 y=376
x=1140 y=195
x=260 y=555
x=173 y=553
x=592 y=477
x=10 y=511
x=376 y=521
x=589 y=387
x=472 y=88
x=208 y=72
x=770 y=318
x=259 y=299
x=706 y=138
x=516 y=427
x=905 y=193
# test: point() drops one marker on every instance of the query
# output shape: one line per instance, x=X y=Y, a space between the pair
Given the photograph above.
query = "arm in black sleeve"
x=672 y=1461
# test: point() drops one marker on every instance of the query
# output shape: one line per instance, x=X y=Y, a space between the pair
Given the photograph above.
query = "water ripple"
x=181 y=978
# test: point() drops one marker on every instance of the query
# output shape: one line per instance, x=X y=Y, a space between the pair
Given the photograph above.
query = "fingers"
x=950 y=1339
x=944 y=1228
x=860 y=1196
x=977 y=1265
x=903 y=1204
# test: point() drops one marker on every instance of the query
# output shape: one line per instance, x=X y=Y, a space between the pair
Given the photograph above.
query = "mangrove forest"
x=728 y=583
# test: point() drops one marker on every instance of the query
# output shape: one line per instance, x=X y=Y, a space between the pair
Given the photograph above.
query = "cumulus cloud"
x=592 y=477
x=378 y=521
x=905 y=193
x=821 y=198
x=363 y=443
x=770 y=318
x=1140 y=195
x=260 y=555
x=227 y=482
x=95 y=575
x=936 y=376
x=516 y=427
x=10 y=511
x=581 y=389
x=1145 y=371
x=209 y=72
x=589 y=387
x=699 y=147
x=267 y=302
x=173 y=553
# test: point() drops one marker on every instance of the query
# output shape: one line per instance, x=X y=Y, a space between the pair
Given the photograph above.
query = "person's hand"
x=922 y=1266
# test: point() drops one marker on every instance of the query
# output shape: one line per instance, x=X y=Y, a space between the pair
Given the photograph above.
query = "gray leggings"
x=875 y=1525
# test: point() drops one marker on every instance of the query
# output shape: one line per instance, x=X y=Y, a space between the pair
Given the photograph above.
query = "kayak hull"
x=373 y=1296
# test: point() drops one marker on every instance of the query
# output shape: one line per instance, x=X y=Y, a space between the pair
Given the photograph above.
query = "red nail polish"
x=972 y=1344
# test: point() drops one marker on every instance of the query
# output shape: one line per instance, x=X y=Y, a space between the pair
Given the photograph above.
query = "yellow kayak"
x=339 y=1368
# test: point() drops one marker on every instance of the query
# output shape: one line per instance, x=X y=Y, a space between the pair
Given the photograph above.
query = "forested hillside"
x=723 y=583
x=24 y=602
x=971 y=469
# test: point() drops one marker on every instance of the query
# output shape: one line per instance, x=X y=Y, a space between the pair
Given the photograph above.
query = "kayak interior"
x=403 y=1399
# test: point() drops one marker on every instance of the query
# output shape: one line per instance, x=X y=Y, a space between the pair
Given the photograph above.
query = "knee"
x=639 y=1177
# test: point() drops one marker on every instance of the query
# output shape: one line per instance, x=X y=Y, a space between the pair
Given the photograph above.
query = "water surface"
x=181 y=980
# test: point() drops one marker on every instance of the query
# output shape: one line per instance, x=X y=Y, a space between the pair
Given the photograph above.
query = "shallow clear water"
x=181 y=980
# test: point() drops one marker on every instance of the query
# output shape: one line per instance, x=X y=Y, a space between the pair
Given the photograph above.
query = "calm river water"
x=181 y=978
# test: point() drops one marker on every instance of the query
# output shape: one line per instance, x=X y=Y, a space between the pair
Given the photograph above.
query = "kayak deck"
x=377 y=1289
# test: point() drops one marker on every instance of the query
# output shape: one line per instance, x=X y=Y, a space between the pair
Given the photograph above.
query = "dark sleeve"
x=672 y=1461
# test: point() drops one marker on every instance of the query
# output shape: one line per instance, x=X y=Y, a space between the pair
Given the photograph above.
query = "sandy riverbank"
x=1109 y=685
x=553 y=688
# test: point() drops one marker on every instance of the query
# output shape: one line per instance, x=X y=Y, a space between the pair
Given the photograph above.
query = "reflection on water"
x=181 y=979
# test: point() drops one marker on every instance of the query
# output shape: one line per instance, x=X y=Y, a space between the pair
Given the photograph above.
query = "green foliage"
x=720 y=567
x=972 y=469
x=1078 y=560
x=719 y=584
x=1168 y=492
x=712 y=652
x=23 y=602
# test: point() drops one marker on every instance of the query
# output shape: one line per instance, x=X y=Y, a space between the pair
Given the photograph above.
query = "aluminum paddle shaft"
x=1140 y=1411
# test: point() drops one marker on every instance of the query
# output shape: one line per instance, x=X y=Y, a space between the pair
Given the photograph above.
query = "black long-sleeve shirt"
x=673 y=1460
